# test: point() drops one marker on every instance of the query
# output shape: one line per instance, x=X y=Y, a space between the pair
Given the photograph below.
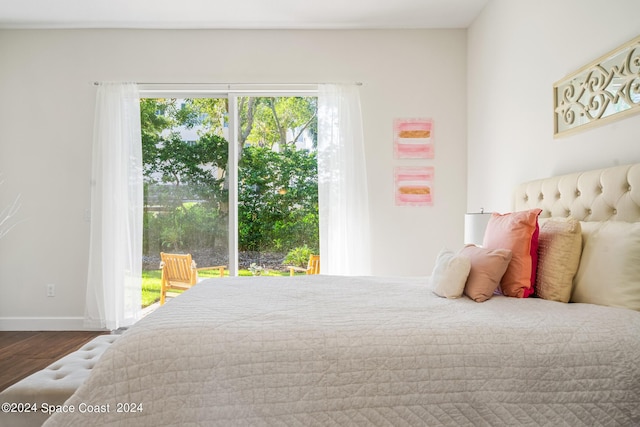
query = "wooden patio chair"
x=180 y=272
x=313 y=267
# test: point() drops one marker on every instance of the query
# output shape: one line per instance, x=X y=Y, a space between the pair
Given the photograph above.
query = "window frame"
x=231 y=92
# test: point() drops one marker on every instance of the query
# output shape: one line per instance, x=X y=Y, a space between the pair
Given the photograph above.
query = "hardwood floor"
x=24 y=352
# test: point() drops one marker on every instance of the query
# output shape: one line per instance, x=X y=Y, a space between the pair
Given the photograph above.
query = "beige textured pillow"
x=487 y=268
x=559 y=249
x=450 y=274
x=609 y=271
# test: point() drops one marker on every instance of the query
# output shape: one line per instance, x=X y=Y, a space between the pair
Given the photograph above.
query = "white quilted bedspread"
x=322 y=350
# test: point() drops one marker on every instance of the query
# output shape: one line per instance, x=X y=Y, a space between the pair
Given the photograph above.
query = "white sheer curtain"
x=115 y=255
x=342 y=183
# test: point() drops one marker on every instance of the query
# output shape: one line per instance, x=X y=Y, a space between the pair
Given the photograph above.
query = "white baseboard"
x=44 y=324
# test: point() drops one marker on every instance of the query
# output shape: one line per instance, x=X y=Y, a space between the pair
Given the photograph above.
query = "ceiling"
x=241 y=14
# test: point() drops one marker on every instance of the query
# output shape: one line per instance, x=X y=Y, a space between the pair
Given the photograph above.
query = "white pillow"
x=450 y=274
x=609 y=271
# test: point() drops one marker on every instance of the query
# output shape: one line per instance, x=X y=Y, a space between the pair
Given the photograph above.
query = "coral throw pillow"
x=518 y=232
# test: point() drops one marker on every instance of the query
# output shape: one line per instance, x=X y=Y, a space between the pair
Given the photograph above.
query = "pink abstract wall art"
x=413 y=138
x=414 y=186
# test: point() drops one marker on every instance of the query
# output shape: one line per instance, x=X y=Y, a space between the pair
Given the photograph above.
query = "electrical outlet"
x=51 y=290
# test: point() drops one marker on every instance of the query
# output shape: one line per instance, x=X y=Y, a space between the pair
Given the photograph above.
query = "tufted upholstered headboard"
x=598 y=195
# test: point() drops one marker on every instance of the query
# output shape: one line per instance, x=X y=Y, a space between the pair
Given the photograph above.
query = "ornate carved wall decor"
x=604 y=90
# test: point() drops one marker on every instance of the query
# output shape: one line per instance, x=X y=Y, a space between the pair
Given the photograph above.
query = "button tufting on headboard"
x=597 y=195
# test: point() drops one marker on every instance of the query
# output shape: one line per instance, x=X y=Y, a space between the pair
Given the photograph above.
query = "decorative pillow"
x=609 y=271
x=518 y=232
x=487 y=268
x=559 y=249
x=450 y=274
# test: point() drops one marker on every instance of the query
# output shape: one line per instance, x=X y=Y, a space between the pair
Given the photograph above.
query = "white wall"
x=517 y=50
x=46 y=119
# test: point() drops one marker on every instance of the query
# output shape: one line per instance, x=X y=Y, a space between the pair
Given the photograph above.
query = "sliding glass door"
x=277 y=201
x=230 y=179
x=186 y=196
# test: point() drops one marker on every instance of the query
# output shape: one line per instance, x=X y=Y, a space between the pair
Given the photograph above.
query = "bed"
x=328 y=350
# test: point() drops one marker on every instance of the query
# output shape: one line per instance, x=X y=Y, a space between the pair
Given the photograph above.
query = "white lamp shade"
x=475 y=225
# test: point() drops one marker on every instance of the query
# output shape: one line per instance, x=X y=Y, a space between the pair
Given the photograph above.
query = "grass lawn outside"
x=151 y=281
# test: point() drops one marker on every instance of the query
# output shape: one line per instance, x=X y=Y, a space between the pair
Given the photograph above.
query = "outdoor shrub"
x=298 y=256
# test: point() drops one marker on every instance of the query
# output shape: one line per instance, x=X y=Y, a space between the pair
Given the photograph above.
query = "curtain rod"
x=96 y=83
